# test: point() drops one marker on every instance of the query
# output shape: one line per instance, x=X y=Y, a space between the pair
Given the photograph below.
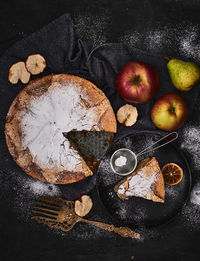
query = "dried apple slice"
x=18 y=72
x=83 y=206
x=35 y=64
x=127 y=115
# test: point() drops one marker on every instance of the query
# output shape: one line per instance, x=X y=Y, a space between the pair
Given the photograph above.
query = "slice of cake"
x=146 y=182
x=92 y=145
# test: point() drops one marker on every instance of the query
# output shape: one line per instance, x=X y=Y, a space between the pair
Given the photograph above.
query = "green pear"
x=184 y=75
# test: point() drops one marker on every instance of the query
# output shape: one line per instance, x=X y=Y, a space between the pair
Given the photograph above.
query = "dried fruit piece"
x=35 y=63
x=18 y=72
x=127 y=115
x=172 y=173
x=83 y=206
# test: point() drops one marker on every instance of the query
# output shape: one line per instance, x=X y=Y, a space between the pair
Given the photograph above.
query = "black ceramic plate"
x=138 y=212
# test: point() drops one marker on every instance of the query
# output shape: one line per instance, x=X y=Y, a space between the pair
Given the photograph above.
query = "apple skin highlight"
x=169 y=112
x=137 y=82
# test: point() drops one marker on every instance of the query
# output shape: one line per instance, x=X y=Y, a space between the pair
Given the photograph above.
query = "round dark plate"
x=135 y=211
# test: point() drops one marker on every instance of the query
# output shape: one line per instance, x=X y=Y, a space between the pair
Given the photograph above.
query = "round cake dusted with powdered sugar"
x=40 y=116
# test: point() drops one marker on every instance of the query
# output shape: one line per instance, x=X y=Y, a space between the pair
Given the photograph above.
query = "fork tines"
x=47 y=207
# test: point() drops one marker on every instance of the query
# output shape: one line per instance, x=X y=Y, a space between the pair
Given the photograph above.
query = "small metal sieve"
x=131 y=158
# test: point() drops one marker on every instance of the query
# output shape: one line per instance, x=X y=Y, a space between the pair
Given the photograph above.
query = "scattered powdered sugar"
x=146 y=144
x=120 y=161
x=191 y=216
x=191 y=211
x=111 y=194
x=92 y=27
x=39 y=188
x=149 y=234
x=189 y=42
x=171 y=192
x=25 y=190
x=155 y=39
x=195 y=195
x=151 y=39
x=184 y=36
x=190 y=140
x=59 y=110
x=122 y=211
x=107 y=175
x=140 y=215
x=131 y=38
x=190 y=143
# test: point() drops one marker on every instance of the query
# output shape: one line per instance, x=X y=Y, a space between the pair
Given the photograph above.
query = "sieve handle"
x=151 y=147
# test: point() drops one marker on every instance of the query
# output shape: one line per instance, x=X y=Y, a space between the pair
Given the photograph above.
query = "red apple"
x=169 y=112
x=137 y=82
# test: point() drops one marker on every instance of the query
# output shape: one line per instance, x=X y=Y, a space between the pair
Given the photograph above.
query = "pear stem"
x=167 y=58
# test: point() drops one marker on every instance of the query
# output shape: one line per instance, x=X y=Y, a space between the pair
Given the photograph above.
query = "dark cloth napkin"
x=65 y=53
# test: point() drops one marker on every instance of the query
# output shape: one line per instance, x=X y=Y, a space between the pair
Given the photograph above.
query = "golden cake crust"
x=13 y=131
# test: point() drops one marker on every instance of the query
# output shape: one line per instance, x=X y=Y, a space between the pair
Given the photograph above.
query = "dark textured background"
x=25 y=241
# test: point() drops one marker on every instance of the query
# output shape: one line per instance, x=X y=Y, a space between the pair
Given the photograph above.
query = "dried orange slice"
x=172 y=173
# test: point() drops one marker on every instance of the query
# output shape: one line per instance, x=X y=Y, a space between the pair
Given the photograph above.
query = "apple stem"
x=172 y=109
x=135 y=79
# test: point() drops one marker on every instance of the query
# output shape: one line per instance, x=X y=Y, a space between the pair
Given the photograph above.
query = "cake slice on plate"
x=146 y=182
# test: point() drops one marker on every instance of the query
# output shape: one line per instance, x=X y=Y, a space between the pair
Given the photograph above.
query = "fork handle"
x=122 y=231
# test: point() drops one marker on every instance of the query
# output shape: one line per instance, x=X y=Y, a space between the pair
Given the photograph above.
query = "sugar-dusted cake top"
x=59 y=110
x=146 y=182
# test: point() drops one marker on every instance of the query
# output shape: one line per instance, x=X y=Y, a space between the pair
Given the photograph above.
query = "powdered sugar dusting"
x=131 y=38
x=190 y=143
x=191 y=216
x=171 y=192
x=59 y=110
x=155 y=39
x=139 y=185
x=122 y=211
x=189 y=43
x=110 y=177
x=92 y=27
x=25 y=190
x=120 y=161
x=195 y=195
x=39 y=188
x=184 y=36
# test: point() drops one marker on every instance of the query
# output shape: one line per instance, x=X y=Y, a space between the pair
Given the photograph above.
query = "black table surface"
x=156 y=26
